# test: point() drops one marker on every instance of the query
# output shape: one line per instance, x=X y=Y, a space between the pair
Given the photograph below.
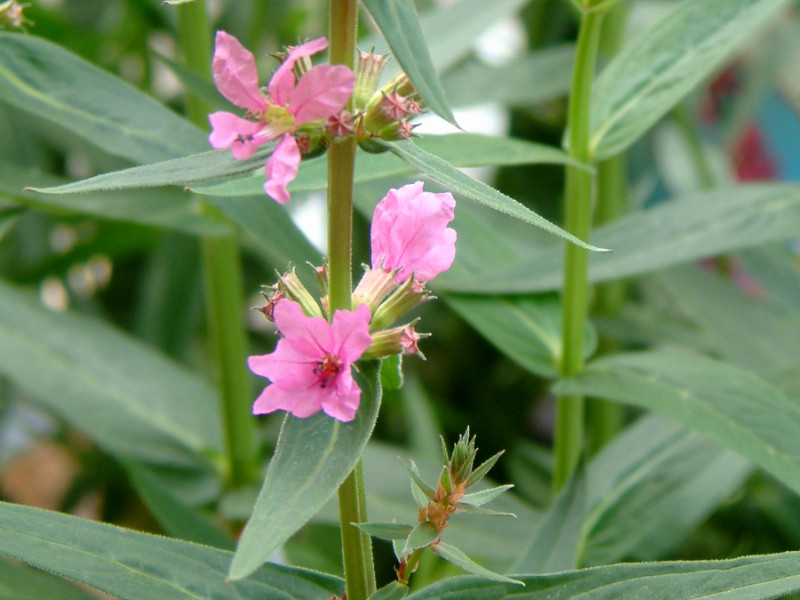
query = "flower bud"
x=368 y=73
x=291 y=286
x=397 y=340
x=409 y=295
x=374 y=286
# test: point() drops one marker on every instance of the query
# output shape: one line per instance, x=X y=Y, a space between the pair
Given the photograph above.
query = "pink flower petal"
x=351 y=331
x=281 y=169
x=282 y=82
x=321 y=93
x=228 y=130
x=409 y=232
x=310 y=369
x=235 y=73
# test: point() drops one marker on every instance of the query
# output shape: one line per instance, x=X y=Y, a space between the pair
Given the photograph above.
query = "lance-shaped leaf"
x=461 y=560
x=43 y=79
x=457 y=182
x=422 y=536
x=399 y=24
x=665 y=63
x=698 y=225
x=130 y=565
x=127 y=397
x=394 y=591
x=749 y=578
x=312 y=458
x=386 y=531
x=485 y=496
x=554 y=545
x=21 y=582
x=725 y=403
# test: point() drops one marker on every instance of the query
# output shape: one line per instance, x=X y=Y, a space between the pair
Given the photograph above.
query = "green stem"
x=605 y=419
x=223 y=280
x=579 y=191
x=359 y=570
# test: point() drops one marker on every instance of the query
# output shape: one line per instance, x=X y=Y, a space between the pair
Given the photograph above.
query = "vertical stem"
x=359 y=569
x=223 y=280
x=579 y=191
x=605 y=419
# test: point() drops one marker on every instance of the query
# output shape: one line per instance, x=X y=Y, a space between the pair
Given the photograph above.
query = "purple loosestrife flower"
x=410 y=234
x=310 y=367
x=320 y=93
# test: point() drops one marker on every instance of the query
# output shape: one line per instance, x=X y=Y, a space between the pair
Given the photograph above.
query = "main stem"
x=223 y=280
x=359 y=570
x=579 y=190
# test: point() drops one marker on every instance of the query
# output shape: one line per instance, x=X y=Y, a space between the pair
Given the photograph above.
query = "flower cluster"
x=310 y=369
x=292 y=112
x=11 y=15
x=303 y=108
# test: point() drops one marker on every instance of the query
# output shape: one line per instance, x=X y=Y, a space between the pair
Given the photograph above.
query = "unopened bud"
x=368 y=73
x=291 y=286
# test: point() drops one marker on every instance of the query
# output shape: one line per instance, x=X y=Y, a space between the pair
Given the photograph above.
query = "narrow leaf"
x=555 y=543
x=417 y=480
x=21 y=582
x=749 y=578
x=312 y=458
x=526 y=329
x=696 y=226
x=39 y=77
x=399 y=24
x=131 y=565
x=393 y=591
x=461 y=560
x=457 y=182
x=481 y=471
x=485 y=496
x=386 y=531
x=653 y=73
x=94 y=377
x=422 y=536
x=722 y=402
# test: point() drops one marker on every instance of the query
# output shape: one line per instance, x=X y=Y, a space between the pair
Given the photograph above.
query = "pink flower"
x=410 y=233
x=310 y=367
x=320 y=93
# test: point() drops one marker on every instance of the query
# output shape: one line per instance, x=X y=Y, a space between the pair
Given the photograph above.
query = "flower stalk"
x=356 y=546
x=223 y=281
x=579 y=193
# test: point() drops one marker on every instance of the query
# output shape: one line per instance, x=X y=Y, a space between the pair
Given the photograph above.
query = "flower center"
x=278 y=120
x=327 y=369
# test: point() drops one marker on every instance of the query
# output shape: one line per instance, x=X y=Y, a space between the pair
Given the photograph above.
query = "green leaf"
x=484 y=468
x=171 y=209
x=422 y=536
x=195 y=168
x=176 y=518
x=131 y=565
x=128 y=398
x=8 y=217
x=699 y=225
x=526 y=329
x=41 y=78
x=416 y=480
x=393 y=591
x=485 y=496
x=456 y=181
x=722 y=402
x=21 y=582
x=461 y=560
x=753 y=333
x=544 y=75
x=653 y=73
x=313 y=457
x=461 y=149
x=651 y=487
x=555 y=543
x=749 y=578
x=399 y=24
x=386 y=531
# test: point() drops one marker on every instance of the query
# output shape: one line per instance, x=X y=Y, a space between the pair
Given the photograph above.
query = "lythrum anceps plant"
x=125 y=301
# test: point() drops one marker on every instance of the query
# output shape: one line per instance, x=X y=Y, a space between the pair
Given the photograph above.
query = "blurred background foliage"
x=741 y=125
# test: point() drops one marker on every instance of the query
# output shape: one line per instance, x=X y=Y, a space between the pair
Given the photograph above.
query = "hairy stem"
x=579 y=192
x=359 y=569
